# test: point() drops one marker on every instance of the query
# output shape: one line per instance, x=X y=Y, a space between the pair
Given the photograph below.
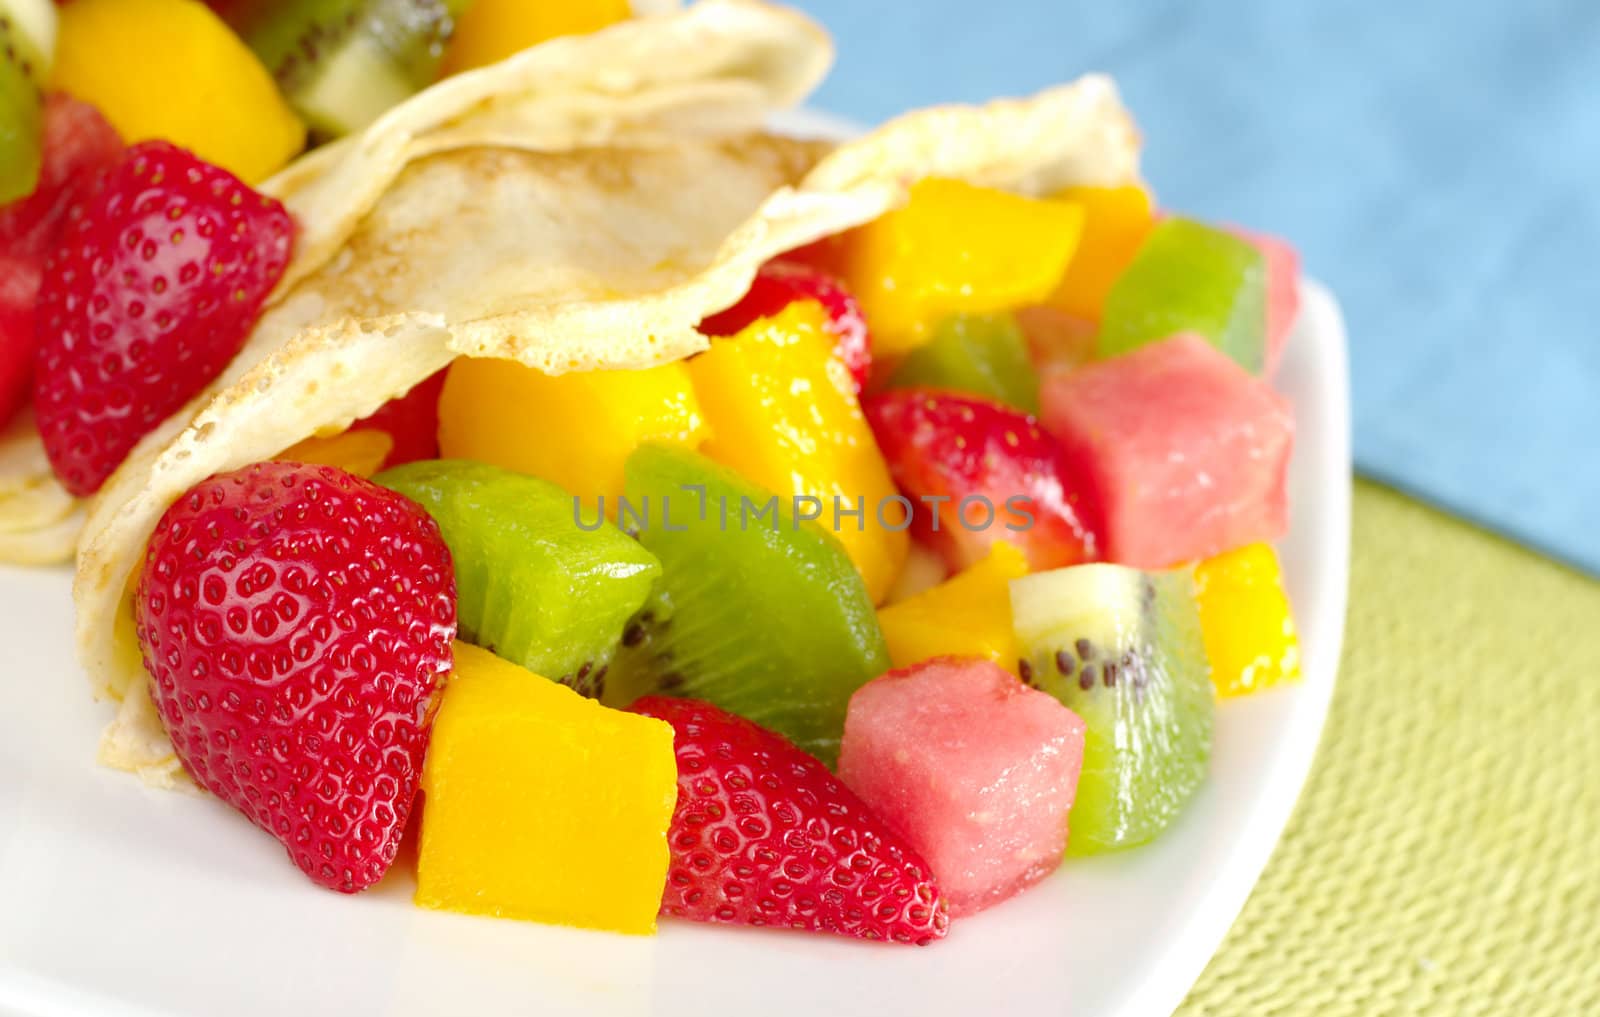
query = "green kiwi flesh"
x=760 y=615
x=532 y=585
x=982 y=354
x=1122 y=649
x=342 y=63
x=21 y=117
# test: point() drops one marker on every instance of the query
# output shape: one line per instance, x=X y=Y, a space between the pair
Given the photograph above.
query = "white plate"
x=119 y=900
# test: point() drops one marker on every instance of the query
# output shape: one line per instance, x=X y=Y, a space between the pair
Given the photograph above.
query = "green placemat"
x=1444 y=857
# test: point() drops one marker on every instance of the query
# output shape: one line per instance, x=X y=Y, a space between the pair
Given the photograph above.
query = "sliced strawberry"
x=157 y=281
x=295 y=621
x=779 y=284
x=78 y=144
x=763 y=834
x=412 y=420
x=19 y=288
x=978 y=473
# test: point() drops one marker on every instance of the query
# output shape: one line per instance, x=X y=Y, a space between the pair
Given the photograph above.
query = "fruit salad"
x=912 y=567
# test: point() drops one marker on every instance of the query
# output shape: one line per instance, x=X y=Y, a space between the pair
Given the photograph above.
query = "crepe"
x=718 y=67
x=563 y=255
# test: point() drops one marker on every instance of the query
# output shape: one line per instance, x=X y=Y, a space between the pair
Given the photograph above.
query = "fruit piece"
x=1056 y=338
x=156 y=284
x=294 y=620
x=783 y=412
x=980 y=354
x=171 y=70
x=343 y=63
x=1185 y=452
x=1283 y=291
x=974 y=768
x=78 y=144
x=955 y=248
x=587 y=425
x=1188 y=277
x=781 y=283
x=1116 y=221
x=982 y=473
x=1122 y=649
x=491 y=30
x=36 y=21
x=967 y=615
x=539 y=585
x=542 y=805
x=26 y=28
x=754 y=611
x=411 y=421
x=357 y=452
x=19 y=286
x=1249 y=631
x=764 y=835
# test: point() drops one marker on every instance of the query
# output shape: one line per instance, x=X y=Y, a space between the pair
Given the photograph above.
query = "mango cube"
x=362 y=453
x=542 y=805
x=1249 y=631
x=1115 y=222
x=574 y=430
x=173 y=69
x=955 y=248
x=488 y=31
x=967 y=615
x=783 y=413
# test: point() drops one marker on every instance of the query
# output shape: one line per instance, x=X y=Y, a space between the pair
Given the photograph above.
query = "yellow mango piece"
x=1115 y=222
x=967 y=615
x=783 y=413
x=955 y=248
x=172 y=69
x=362 y=453
x=542 y=805
x=574 y=430
x=492 y=30
x=1249 y=630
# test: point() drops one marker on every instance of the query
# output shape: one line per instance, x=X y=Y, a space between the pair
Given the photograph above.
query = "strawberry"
x=412 y=420
x=78 y=143
x=156 y=283
x=763 y=834
x=979 y=473
x=19 y=286
x=780 y=283
x=295 y=621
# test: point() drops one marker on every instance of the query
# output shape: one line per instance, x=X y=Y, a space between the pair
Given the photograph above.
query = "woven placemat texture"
x=1444 y=857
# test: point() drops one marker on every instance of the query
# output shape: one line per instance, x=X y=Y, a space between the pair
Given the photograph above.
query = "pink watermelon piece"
x=1283 y=290
x=1186 y=452
x=975 y=769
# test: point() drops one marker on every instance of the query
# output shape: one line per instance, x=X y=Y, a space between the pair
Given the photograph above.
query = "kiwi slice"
x=1190 y=277
x=1122 y=649
x=762 y=615
x=26 y=32
x=984 y=354
x=342 y=63
x=536 y=584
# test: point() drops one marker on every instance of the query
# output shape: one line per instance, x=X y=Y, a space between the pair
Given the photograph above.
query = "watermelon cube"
x=975 y=769
x=1283 y=290
x=1185 y=452
x=1189 y=277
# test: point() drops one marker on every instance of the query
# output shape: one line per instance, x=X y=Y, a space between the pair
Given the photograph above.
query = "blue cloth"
x=1437 y=162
